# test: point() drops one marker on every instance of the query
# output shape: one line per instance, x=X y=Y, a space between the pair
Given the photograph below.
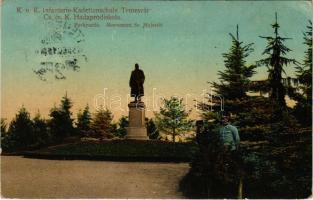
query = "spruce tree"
x=61 y=123
x=102 y=123
x=234 y=81
x=66 y=105
x=41 y=130
x=84 y=121
x=250 y=114
x=303 y=94
x=20 y=133
x=275 y=62
x=304 y=72
x=231 y=91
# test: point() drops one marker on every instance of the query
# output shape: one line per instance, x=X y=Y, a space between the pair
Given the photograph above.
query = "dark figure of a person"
x=136 y=81
x=228 y=162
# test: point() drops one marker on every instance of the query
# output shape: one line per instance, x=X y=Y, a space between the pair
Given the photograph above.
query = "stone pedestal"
x=136 y=129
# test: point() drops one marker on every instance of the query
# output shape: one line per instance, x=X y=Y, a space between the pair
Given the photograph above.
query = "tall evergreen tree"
x=65 y=106
x=275 y=63
x=20 y=133
x=303 y=94
x=83 y=121
x=251 y=114
x=41 y=130
x=234 y=81
x=304 y=72
x=61 y=123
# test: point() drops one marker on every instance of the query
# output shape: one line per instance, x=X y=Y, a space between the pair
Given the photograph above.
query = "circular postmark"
x=61 y=51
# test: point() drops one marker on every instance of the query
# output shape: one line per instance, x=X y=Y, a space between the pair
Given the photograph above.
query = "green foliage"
x=275 y=63
x=83 y=121
x=270 y=168
x=172 y=118
x=20 y=133
x=283 y=170
x=4 y=126
x=122 y=124
x=256 y=117
x=25 y=133
x=234 y=81
x=40 y=131
x=303 y=94
x=61 y=123
x=101 y=124
x=152 y=130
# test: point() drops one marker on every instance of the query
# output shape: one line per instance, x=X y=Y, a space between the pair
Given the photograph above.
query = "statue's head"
x=136 y=66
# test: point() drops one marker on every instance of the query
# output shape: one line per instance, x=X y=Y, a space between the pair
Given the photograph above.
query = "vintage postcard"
x=156 y=99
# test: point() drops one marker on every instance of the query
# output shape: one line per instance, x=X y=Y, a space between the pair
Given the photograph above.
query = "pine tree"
x=122 y=124
x=84 y=121
x=234 y=81
x=102 y=123
x=41 y=130
x=61 y=123
x=20 y=133
x=172 y=118
x=66 y=105
x=303 y=94
x=304 y=72
x=275 y=63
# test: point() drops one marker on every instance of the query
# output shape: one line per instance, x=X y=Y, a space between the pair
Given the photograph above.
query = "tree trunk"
x=174 y=133
x=240 y=189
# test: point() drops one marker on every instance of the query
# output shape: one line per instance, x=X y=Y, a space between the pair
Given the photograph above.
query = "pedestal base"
x=137 y=129
x=137 y=133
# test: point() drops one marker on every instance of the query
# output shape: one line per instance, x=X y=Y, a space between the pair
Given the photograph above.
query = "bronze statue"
x=136 y=81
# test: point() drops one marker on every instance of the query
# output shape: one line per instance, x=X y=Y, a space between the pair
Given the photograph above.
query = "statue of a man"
x=136 y=81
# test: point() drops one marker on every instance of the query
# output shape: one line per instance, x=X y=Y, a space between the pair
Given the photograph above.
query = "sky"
x=178 y=58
